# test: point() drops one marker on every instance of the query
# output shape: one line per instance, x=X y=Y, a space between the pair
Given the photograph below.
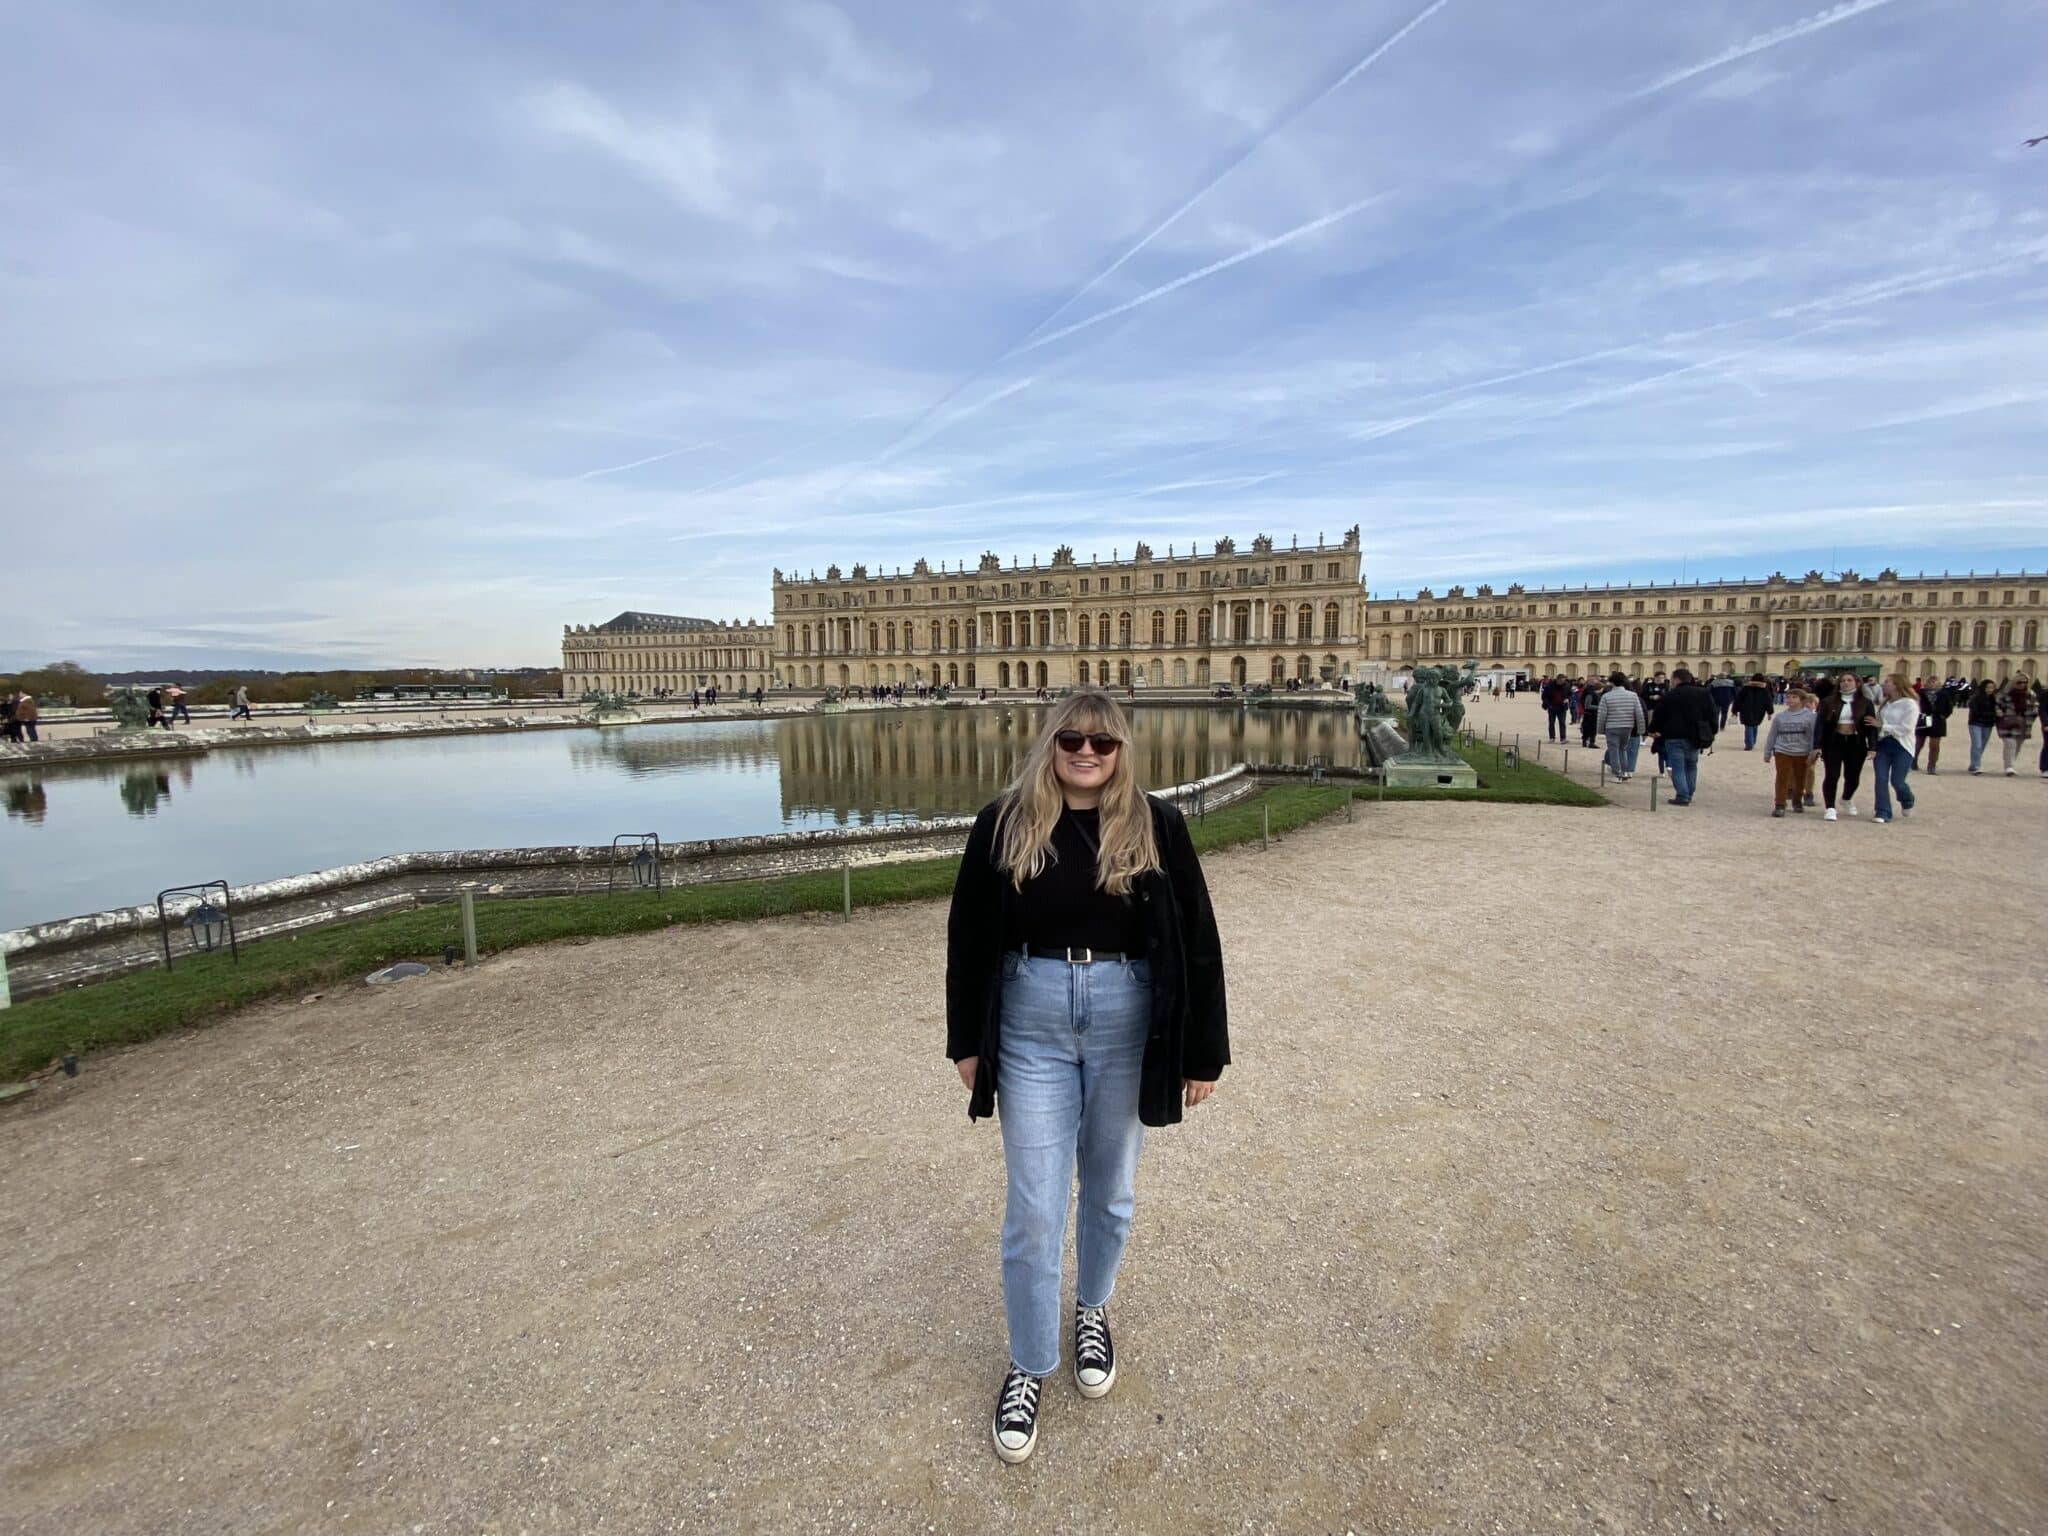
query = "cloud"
x=1791 y=32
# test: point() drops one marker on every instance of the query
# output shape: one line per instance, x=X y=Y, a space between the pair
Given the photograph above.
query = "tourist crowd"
x=1837 y=725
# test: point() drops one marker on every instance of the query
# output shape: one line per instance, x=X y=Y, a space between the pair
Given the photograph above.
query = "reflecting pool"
x=81 y=839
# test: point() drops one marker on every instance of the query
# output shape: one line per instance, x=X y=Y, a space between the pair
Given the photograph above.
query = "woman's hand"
x=967 y=1066
x=1194 y=1092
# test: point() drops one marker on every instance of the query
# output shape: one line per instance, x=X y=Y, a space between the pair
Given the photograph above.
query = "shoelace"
x=1020 y=1398
x=1091 y=1333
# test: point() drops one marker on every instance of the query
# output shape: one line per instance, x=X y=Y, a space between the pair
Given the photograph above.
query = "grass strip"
x=126 y=1009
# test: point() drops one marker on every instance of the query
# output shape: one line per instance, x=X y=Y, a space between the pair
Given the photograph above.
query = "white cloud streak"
x=1792 y=31
x=652 y=458
x=1252 y=146
x=1236 y=258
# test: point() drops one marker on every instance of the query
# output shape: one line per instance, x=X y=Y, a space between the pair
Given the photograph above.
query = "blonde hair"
x=1032 y=802
x=1900 y=687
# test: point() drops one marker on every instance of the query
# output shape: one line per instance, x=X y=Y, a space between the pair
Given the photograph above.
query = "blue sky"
x=408 y=332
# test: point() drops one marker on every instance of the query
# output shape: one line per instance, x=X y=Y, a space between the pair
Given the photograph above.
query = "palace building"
x=1259 y=615
x=648 y=652
x=1273 y=615
x=1924 y=626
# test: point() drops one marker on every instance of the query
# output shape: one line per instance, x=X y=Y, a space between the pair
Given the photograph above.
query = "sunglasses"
x=1072 y=741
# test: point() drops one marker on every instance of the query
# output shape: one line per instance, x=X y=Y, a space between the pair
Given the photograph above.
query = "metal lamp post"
x=208 y=923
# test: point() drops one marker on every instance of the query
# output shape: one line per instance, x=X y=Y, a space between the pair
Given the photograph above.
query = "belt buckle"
x=1087 y=957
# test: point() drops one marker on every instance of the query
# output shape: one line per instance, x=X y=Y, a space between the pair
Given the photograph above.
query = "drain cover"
x=405 y=970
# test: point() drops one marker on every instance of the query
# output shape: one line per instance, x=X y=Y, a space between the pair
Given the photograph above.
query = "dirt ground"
x=1580 y=1170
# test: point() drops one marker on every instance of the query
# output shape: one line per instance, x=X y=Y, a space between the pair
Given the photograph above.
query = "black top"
x=1063 y=909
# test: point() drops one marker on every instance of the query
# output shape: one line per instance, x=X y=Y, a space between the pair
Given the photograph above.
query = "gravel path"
x=1560 y=1186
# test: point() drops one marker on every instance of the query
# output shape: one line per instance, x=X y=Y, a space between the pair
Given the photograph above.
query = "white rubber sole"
x=1013 y=1457
x=1101 y=1388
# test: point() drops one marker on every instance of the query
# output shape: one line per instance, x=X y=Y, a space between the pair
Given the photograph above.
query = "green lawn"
x=1524 y=784
x=146 y=1003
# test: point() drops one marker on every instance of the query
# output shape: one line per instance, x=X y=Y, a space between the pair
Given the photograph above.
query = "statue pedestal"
x=1430 y=773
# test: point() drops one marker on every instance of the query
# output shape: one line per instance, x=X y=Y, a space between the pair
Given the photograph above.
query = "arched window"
x=1202 y=629
x=874 y=636
x=935 y=634
x=1955 y=635
x=1592 y=642
x=1905 y=635
x=1305 y=620
x=1863 y=635
x=1927 y=638
x=1407 y=647
x=1082 y=672
x=1635 y=641
x=1978 y=632
x=1180 y=626
x=1002 y=674
x=1386 y=647
x=1332 y=618
x=1279 y=621
x=1571 y=642
x=1828 y=642
x=1082 y=632
x=2032 y=642
x=1123 y=634
x=1102 y=636
x=891 y=631
x=2005 y=634
x=1792 y=628
x=1550 y=642
x=1658 y=634
x=1469 y=642
x=1529 y=643
x=1159 y=626
x=1123 y=674
x=1684 y=638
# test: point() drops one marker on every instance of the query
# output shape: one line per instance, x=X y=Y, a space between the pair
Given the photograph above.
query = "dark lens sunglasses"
x=1070 y=742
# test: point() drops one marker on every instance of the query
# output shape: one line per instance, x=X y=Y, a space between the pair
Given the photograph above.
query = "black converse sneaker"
x=1094 y=1355
x=1016 y=1422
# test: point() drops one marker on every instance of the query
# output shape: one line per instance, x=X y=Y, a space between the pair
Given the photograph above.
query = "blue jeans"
x=1894 y=762
x=1621 y=752
x=1980 y=738
x=1682 y=762
x=1748 y=737
x=1067 y=1067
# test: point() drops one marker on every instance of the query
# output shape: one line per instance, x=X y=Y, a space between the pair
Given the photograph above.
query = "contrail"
x=1223 y=265
x=1257 y=142
x=1785 y=34
x=653 y=458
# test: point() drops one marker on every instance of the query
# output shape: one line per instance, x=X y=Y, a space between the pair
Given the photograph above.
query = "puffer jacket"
x=1621 y=713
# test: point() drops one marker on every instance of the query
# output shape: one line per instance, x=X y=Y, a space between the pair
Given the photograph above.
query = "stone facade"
x=1182 y=619
x=657 y=653
x=1924 y=626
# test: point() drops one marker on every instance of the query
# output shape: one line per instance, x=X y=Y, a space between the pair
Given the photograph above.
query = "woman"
x=2016 y=709
x=1898 y=719
x=1848 y=722
x=1936 y=704
x=1983 y=720
x=1084 y=990
x=1589 y=711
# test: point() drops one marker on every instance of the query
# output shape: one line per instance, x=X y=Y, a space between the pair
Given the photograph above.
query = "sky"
x=346 y=334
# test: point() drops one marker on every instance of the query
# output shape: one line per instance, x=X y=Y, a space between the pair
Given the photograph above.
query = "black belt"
x=1074 y=956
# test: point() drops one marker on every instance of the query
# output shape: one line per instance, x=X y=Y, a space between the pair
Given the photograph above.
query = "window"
x=1082 y=672
x=1635 y=639
x=1658 y=635
x=1279 y=621
x=1123 y=631
x=1550 y=642
x=1159 y=626
x=1977 y=635
x=1334 y=571
x=1331 y=619
x=1180 y=626
x=1180 y=579
x=1639 y=605
x=1124 y=585
x=2008 y=597
x=1684 y=639
x=2005 y=634
x=1084 y=586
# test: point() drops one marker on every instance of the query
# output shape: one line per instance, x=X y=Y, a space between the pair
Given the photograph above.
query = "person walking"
x=156 y=707
x=1898 y=720
x=25 y=715
x=1084 y=1001
x=1622 y=722
x=1791 y=743
x=175 y=696
x=2041 y=714
x=1683 y=726
x=238 y=706
x=1724 y=689
x=2016 y=710
x=10 y=729
x=1937 y=703
x=1983 y=717
x=1848 y=721
x=1556 y=705
x=1753 y=706
x=1589 y=711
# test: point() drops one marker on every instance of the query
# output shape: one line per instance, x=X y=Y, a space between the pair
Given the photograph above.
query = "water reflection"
x=27 y=799
x=142 y=792
x=258 y=814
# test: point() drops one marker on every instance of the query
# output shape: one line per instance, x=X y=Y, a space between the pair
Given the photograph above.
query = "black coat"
x=1190 y=1035
x=1686 y=713
x=1753 y=703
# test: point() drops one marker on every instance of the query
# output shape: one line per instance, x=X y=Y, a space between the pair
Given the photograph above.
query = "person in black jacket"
x=1753 y=705
x=1084 y=1000
x=1681 y=728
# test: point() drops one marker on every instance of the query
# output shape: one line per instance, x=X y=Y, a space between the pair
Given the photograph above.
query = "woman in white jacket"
x=1900 y=714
